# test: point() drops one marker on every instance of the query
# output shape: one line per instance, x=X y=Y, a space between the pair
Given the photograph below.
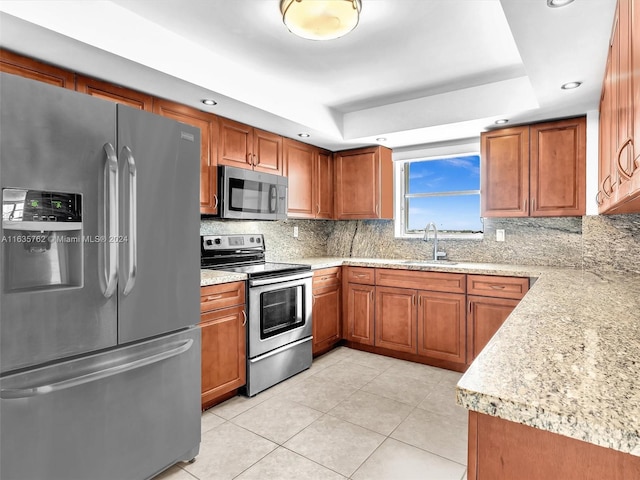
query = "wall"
x=596 y=243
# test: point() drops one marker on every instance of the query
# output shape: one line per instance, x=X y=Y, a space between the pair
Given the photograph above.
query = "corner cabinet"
x=327 y=308
x=535 y=170
x=223 y=323
x=364 y=184
x=310 y=173
x=246 y=147
x=619 y=166
x=208 y=125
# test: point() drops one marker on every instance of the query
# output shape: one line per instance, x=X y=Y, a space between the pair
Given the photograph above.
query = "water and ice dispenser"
x=42 y=239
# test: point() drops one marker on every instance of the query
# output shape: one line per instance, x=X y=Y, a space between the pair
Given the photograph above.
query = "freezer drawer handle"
x=110 y=220
x=133 y=232
x=173 y=351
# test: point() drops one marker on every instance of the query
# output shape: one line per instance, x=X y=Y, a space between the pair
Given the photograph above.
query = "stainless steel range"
x=279 y=306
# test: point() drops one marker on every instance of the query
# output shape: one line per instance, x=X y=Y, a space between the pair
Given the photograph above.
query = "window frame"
x=401 y=210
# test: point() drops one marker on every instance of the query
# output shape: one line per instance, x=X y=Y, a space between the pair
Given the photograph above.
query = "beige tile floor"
x=352 y=415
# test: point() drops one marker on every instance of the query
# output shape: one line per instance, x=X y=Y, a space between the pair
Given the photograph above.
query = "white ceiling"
x=414 y=71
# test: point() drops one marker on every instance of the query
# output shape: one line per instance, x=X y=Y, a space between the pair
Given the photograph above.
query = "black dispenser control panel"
x=20 y=205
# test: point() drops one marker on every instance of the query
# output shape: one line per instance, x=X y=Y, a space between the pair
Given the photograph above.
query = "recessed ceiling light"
x=304 y=135
x=381 y=139
x=209 y=101
x=558 y=3
x=502 y=121
x=570 y=85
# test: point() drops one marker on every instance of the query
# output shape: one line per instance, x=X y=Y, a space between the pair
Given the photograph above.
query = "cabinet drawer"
x=499 y=287
x=361 y=275
x=327 y=277
x=214 y=297
x=431 y=281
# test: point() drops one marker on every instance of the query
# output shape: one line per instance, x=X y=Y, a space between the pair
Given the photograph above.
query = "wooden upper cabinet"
x=26 y=67
x=208 y=125
x=299 y=161
x=558 y=168
x=535 y=170
x=246 y=147
x=310 y=174
x=505 y=172
x=114 y=93
x=324 y=184
x=364 y=184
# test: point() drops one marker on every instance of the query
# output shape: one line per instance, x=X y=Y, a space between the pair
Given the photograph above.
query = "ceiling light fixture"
x=502 y=121
x=320 y=19
x=304 y=135
x=558 y=3
x=208 y=101
x=570 y=85
x=381 y=139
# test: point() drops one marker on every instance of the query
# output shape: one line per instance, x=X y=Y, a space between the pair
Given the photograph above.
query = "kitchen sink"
x=429 y=262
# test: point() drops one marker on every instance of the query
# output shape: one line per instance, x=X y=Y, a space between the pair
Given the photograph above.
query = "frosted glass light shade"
x=320 y=19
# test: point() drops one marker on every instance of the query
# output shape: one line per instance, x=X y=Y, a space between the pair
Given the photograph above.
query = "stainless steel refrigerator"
x=99 y=288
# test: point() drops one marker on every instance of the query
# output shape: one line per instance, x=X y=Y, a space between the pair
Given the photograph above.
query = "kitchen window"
x=443 y=190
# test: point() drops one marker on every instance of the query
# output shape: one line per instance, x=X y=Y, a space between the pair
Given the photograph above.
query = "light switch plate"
x=499 y=235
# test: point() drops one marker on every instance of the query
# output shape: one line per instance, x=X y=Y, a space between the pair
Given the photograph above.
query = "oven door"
x=279 y=312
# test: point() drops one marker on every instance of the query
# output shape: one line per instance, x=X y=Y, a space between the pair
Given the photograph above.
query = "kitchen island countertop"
x=567 y=360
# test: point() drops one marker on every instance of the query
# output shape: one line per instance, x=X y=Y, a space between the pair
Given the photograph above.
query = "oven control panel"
x=232 y=242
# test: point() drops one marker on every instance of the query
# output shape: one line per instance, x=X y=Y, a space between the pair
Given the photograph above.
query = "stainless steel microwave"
x=248 y=195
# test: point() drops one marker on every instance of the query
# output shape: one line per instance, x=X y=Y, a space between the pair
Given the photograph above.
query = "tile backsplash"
x=596 y=243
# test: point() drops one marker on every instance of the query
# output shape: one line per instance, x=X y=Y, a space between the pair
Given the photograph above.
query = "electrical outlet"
x=295 y=232
x=499 y=235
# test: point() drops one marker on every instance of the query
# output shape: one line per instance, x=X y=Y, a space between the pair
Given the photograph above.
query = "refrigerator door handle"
x=110 y=221
x=92 y=376
x=133 y=222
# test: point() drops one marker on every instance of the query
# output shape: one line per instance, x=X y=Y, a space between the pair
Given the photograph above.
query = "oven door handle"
x=274 y=280
x=280 y=349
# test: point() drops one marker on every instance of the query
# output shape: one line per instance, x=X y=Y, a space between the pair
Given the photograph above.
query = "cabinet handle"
x=598 y=201
x=210 y=298
x=604 y=188
x=498 y=287
x=249 y=159
x=244 y=314
x=256 y=160
x=469 y=307
x=414 y=299
x=623 y=173
x=215 y=201
x=419 y=300
x=318 y=211
x=313 y=300
x=525 y=204
x=533 y=204
x=377 y=208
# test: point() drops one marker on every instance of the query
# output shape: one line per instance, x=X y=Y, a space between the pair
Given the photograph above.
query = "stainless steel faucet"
x=436 y=254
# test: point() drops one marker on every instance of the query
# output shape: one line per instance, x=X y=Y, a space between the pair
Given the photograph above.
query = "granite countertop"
x=567 y=360
x=215 y=277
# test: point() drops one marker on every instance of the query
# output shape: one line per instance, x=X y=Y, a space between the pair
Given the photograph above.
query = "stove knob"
x=208 y=242
x=258 y=240
x=251 y=239
x=218 y=241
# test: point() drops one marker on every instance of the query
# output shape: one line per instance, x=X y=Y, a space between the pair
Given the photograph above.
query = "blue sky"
x=443 y=175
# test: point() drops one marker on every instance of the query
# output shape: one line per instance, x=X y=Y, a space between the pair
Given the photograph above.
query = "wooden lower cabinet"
x=327 y=308
x=441 y=326
x=504 y=450
x=359 y=306
x=396 y=319
x=486 y=316
x=223 y=341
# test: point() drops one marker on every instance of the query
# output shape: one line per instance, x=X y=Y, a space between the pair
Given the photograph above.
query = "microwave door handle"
x=273 y=199
x=110 y=228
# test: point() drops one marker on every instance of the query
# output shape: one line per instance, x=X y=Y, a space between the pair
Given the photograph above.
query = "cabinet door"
x=364 y=184
x=396 y=319
x=42 y=72
x=114 y=93
x=486 y=316
x=326 y=317
x=505 y=172
x=441 y=326
x=359 y=313
x=267 y=152
x=299 y=168
x=235 y=146
x=223 y=352
x=558 y=168
x=208 y=125
x=605 y=181
x=324 y=185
